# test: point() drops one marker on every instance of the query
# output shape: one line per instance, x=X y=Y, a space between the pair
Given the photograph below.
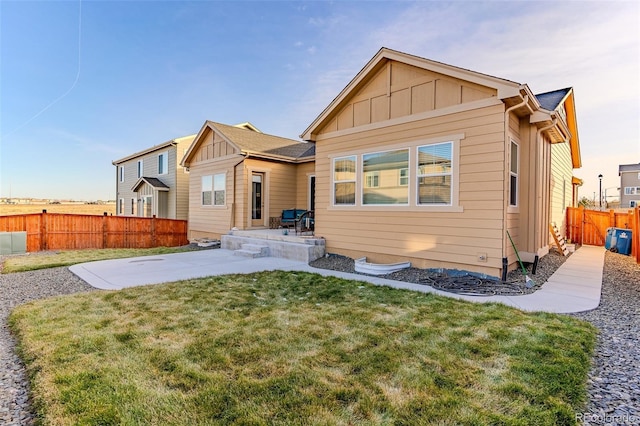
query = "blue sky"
x=85 y=83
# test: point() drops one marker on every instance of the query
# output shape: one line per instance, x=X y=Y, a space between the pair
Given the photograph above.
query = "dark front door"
x=257 y=204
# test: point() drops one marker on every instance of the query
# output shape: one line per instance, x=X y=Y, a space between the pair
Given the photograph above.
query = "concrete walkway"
x=574 y=287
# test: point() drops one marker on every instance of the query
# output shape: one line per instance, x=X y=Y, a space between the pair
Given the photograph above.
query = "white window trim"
x=455 y=206
x=372 y=179
x=202 y=189
x=514 y=208
x=418 y=176
x=165 y=162
x=213 y=190
x=400 y=177
x=362 y=185
x=355 y=180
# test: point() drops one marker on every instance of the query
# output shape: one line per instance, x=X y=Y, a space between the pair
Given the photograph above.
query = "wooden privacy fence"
x=55 y=231
x=590 y=226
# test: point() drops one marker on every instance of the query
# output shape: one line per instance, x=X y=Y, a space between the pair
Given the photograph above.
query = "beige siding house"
x=421 y=161
x=241 y=177
x=153 y=183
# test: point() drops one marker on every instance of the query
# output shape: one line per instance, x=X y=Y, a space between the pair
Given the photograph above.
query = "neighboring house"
x=422 y=161
x=241 y=177
x=629 y=185
x=153 y=183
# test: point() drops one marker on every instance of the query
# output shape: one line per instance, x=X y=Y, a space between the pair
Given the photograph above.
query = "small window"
x=435 y=170
x=372 y=179
x=382 y=177
x=133 y=206
x=404 y=177
x=219 y=189
x=513 y=174
x=121 y=173
x=631 y=190
x=344 y=181
x=140 y=169
x=163 y=163
x=207 y=187
x=121 y=206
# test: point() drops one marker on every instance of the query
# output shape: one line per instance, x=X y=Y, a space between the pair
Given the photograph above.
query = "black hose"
x=474 y=286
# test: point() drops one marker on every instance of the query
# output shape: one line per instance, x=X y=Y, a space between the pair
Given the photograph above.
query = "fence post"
x=583 y=220
x=43 y=231
x=612 y=219
x=104 y=230
x=154 y=239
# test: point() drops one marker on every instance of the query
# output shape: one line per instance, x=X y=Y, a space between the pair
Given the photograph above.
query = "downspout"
x=505 y=204
x=538 y=188
x=233 y=205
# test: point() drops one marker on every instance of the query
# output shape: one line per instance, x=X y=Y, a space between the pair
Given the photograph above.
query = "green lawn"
x=298 y=349
x=33 y=261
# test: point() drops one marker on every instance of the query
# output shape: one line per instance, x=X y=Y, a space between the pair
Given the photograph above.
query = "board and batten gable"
x=469 y=232
x=215 y=155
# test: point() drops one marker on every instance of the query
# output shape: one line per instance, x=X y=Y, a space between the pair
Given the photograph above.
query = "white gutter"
x=505 y=204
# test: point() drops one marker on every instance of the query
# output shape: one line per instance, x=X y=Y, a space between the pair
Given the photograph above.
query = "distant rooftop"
x=629 y=168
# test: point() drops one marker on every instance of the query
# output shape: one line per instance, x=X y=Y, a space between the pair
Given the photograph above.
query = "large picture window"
x=434 y=174
x=344 y=180
x=513 y=174
x=422 y=175
x=382 y=172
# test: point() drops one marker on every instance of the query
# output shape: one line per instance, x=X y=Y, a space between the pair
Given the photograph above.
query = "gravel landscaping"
x=614 y=379
x=515 y=284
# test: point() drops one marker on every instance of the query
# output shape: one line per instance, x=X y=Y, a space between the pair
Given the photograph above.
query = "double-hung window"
x=214 y=190
x=344 y=181
x=163 y=163
x=434 y=172
x=382 y=171
x=513 y=174
x=207 y=188
x=219 y=189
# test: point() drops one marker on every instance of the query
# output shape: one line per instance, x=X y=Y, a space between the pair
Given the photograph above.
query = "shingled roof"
x=151 y=181
x=551 y=100
x=253 y=142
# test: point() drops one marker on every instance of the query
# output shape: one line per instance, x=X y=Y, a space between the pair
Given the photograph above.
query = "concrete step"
x=252 y=250
x=310 y=249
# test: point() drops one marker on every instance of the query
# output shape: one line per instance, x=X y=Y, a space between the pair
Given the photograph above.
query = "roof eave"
x=505 y=88
x=145 y=152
